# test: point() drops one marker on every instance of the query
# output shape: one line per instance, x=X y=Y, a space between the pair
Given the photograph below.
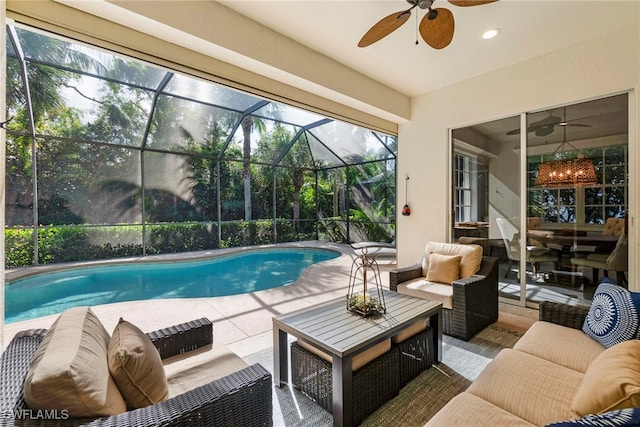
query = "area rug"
x=419 y=400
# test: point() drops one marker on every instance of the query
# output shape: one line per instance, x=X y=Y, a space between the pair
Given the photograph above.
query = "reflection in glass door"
x=573 y=228
x=577 y=197
x=486 y=195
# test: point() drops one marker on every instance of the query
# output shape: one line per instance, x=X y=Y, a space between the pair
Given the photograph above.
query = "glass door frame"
x=632 y=195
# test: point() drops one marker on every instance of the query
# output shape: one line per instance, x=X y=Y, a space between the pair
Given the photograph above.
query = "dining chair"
x=535 y=253
x=616 y=261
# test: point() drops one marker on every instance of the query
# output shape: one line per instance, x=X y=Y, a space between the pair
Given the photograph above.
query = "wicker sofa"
x=551 y=375
x=241 y=398
x=470 y=302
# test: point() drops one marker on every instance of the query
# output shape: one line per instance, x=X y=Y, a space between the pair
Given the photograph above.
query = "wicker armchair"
x=242 y=398
x=475 y=299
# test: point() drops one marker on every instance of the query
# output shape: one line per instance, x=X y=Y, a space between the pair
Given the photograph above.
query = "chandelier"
x=566 y=172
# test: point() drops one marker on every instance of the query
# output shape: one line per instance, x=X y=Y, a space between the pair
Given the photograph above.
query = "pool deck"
x=242 y=322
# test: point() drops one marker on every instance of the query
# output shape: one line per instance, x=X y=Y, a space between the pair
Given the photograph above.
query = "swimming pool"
x=240 y=272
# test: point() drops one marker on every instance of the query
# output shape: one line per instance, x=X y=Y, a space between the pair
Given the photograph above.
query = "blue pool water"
x=237 y=273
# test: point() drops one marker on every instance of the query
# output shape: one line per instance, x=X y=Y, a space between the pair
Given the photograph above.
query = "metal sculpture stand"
x=364 y=303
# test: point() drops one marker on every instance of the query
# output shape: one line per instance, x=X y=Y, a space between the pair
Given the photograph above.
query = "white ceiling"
x=528 y=29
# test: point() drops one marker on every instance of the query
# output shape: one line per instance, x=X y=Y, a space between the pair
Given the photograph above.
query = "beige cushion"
x=469 y=264
x=359 y=360
x=466 y=410
x=196 y=368
x=136 y=366
x=527 y=386
x=69 y=370
x=422 y=288
x=611 y=382
x=409 y=331
x=443 y=268
x=568 y=347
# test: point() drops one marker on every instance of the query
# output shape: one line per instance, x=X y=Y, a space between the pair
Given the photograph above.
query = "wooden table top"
x=338 y=331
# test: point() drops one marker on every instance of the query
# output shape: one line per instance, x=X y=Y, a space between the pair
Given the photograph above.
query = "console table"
x=341 y=333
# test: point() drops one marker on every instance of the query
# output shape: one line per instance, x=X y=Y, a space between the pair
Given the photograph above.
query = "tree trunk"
x=247 y=125
x=298 y=182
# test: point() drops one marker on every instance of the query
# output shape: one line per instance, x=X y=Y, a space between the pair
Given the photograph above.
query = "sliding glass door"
x=572 y=204
x=578 y=196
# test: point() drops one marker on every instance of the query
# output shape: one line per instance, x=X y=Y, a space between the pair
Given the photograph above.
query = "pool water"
x=241 y=272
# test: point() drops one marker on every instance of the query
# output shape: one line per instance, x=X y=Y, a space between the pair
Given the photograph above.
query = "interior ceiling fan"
x=547 y=125
x=436 y=27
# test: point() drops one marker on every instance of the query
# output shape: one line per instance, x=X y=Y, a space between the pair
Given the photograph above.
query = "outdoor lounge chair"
x=375 y=249
x=470 y=302
x=243 y=398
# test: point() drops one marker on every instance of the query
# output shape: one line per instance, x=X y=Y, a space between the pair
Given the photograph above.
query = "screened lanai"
x=109 y=156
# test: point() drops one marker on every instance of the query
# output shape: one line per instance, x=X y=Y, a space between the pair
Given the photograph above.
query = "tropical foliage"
x=109 y=157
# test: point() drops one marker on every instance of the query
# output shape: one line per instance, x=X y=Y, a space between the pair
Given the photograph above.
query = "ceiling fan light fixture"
x=489 y=34
x=562 y=172
x=436 y=27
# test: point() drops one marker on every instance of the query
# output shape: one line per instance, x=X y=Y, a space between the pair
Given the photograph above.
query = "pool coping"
x=241 y=322
x=23 y=272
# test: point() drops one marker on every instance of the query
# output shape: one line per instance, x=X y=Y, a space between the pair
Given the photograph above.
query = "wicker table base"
x=372 y=385
x=342 y=334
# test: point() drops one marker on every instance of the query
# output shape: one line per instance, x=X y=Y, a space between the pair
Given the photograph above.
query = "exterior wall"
x=601 y=66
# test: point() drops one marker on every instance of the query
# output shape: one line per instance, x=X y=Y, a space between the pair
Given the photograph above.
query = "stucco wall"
x=601 y=66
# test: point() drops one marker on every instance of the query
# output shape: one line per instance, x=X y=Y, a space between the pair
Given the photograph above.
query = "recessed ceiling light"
x=489 y=34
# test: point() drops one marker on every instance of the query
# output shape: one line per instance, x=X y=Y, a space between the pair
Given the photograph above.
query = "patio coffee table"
x=341 y=333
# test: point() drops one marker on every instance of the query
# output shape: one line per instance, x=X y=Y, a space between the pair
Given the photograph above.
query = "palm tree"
x=248 y=124
x=293 y=164
x=247 y=127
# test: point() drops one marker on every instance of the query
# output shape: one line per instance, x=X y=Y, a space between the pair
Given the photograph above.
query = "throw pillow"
x=629 y=417
x=614 y=315
x=443 y=268
x=611 y=382
x=136 y=366
x=69 y=369
x=471 y=256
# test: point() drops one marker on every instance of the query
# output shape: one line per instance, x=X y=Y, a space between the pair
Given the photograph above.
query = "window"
x=609 y=198
x=462 y=187
x=470 y=183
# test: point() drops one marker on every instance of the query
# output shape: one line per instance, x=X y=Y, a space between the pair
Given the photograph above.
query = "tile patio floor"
x=243 y=322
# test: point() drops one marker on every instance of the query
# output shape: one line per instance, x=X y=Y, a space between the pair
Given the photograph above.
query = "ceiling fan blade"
x=550 y=120
x=467 y=3
x=384 y=27
x=529 y=129
x=437 y=32
x=576 y=124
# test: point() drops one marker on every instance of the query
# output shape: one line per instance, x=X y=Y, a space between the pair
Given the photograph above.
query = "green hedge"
x=78 y=243
x=85 y=243
x=18 y=247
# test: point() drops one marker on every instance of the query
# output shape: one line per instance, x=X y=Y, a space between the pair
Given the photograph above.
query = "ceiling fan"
x=436 y=27
x=547 y=125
